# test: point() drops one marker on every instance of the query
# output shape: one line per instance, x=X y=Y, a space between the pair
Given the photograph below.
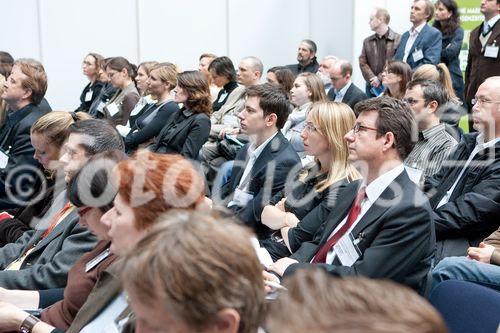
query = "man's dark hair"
x=101 y=136
x=6 y=63
x=92 y=181
x=223 y=66
x=432 y=90
x=312 y=45
x=393 y=116
x=272 y=99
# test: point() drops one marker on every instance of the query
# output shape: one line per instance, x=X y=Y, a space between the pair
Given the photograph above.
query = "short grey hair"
x=255 y=64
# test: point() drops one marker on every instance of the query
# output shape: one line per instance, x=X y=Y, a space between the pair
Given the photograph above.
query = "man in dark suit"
x=422 y=44
x=483 y=60
x=465 y=193
x=306 y=56
x=343 y=90
x=262 y=166
x=23 y=92
x=383 y=227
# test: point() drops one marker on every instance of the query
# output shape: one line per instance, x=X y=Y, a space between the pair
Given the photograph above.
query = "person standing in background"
x=377 y=50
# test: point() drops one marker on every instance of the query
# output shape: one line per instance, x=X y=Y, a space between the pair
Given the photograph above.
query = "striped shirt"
x=433 y=147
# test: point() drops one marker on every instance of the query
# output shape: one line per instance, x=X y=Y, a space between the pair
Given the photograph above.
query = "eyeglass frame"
x=478 y=101
x=309 y=127
x=358 y=127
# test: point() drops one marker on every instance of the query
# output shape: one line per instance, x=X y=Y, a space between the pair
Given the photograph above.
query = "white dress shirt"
x=411 y=40
x=480 y=145
x=339 y=94
x=373 y=192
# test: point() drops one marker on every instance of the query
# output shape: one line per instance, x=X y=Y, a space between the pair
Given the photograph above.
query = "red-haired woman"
x=148 y=185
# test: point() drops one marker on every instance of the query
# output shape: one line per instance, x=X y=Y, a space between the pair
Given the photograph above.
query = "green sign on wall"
x=470 y=18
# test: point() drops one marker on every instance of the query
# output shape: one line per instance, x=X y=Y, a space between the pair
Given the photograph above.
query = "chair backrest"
x=467 y=307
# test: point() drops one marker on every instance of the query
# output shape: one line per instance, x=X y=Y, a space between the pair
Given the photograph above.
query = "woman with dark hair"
x=282 y=76
x=152 y=118
x=121 y=74
x=395 y=76
x=92 y=193
x=223 y=75
x=447 y=20
x=188 y=129
x=91 y=66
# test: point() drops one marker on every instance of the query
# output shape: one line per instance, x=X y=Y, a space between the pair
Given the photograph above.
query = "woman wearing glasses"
x=395 y=77
x=91 y=69
x=121 y=74
x=298 y=212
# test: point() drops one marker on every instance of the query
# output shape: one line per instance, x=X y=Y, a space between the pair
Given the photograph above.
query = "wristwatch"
x=28 y=324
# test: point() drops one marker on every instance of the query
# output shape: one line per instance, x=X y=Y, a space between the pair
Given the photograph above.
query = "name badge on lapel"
x=112 y=109
x=4 y=159
x=418 y=55
x=88 y=96
x=491 y=51
x=241 y=198
x=346 y=250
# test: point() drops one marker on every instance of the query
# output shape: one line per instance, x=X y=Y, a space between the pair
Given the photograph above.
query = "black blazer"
x=396 y=236
x=472 y=211
x=352 y=96
x=95 y=89
x=277 y=154
x=184 y=134
x=15 y=139
x=149 y=124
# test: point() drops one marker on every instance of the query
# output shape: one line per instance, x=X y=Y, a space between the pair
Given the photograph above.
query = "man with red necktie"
x=383 y=227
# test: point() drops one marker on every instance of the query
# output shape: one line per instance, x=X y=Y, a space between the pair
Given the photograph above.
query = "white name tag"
x=94 y=262
x=346 y=251
x=101 y=106
x=414 y=174
x=240 y=198
x=112 y=109
x=491 y=51
x=222 y=97
x=418 y=55
x=4 y=159
x=88 y=96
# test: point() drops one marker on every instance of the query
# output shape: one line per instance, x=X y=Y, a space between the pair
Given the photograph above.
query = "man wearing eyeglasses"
x=465 y=193
x=425 y=98
x=382 y=227
x=343 y=90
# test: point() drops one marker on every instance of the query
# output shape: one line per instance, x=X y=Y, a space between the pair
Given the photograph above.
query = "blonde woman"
x=162 y=80
x=48 y=135
x=307 y=89
x=453 y=110
x=299 y=213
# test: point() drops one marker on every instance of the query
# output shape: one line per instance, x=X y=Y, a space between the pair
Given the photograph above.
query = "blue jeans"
x=464 y=269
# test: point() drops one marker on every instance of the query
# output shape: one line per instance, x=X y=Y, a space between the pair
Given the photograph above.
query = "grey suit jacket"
x=50 y=260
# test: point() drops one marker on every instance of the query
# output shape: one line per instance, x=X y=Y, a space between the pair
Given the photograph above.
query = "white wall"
x=61 y=32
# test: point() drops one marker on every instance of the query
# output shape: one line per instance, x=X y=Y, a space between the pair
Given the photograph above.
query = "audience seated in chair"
x=262 y=166
x=23 y=91
x=48 y=135
x=298 y=211
x=41 y=258
x=464 y=194
x=382 y=227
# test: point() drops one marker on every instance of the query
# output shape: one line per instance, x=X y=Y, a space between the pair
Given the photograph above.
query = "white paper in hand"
x=264 y=256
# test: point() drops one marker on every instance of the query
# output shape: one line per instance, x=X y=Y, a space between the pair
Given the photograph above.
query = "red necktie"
x=320 y=256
